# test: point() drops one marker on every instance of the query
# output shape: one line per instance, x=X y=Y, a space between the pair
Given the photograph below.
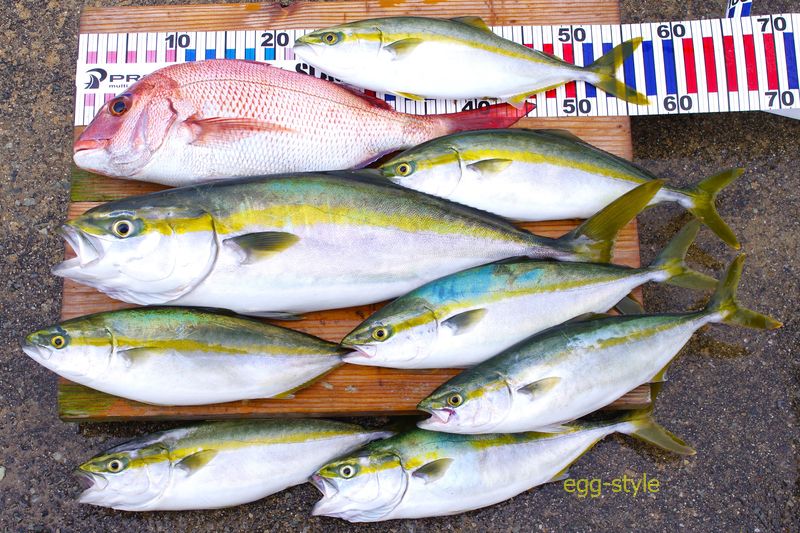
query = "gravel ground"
x=732 y=394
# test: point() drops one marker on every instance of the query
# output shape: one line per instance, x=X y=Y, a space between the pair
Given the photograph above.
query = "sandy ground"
x=732 y=393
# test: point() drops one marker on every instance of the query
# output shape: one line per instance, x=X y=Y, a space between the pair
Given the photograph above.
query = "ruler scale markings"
x=705 y=66
x=703 y=99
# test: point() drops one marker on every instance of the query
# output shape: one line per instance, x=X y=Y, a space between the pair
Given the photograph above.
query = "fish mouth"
x=86 y=253
x=89 y=484
x=82 y=145
x=327 y=488
x=304 y=46
x=35 y=351
x=438 y=417
x=361 y=351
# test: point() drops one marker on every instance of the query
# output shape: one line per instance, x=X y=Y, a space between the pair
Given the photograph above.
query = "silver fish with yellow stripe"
x=424 y=473
x=569 y=371
x=215 y=464
x=174 y=356
x=541 y=175
x=419 y=57
x=465 y=318
x=304 y=242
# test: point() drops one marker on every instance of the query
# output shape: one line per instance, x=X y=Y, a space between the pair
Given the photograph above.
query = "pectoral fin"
x=132 y=356
x=629 y=306
x=192 y=463
x=432 y=471
x=463 y=322
x=403 y=47
x=220 y=130
x=539 y=387
x=261 y=245
x=475 y=22
x=490 y=166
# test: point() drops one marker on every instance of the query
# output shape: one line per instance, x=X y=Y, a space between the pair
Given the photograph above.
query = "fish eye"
x=330 y=38
x=58 y=341
x=380 y=334
x=122 y=228
x=118 y=106
x=115 y=465
x=403 y=169
x=454 y=400
x=347 y=471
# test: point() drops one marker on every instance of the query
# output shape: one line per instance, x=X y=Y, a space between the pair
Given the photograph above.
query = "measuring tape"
x=699 y=66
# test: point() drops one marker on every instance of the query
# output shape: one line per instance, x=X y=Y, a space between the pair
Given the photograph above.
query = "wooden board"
x=348 y=390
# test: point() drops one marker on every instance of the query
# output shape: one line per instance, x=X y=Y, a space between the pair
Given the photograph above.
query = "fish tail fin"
x=703 y=207
x=672 y=261
x=489 y=117
x=593 y=241
x=724 y=301
x=640 y=424
x=605 y=69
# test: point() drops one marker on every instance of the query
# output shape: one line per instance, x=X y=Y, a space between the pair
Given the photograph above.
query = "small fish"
x=215 y=464
x=572 y=370
x=465 y=318
x=419 y=57
x=424 y=473
x=208 y=120
x=304 y=242
x=174 y=356
x=540 y=175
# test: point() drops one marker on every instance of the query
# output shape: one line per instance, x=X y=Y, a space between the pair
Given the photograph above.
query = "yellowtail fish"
x=425 y=473
x=304 y=242
x=540 y=175
x=208 y=120
x=174 y=356
x=215 y=464
x=419 y=57
x=465 y=318
x=569 y=371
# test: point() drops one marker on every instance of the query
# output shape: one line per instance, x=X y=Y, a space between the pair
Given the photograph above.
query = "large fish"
x=540 y=175
x=304 y=242
x=424 y=473
x=173 y=356
x=205 y=120
x=215 y=464
x=465 y=318
x=420 y=57
x=572 y=370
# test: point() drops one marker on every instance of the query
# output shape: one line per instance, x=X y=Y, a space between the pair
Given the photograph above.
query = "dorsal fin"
x=373 y=100
x=475 y=22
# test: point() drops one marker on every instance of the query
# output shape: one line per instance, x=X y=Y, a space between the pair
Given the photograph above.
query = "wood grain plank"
x=348 y=390
x=303 y=14
x=354 y=391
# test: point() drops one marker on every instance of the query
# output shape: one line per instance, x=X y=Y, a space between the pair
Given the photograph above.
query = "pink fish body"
x=199 y=121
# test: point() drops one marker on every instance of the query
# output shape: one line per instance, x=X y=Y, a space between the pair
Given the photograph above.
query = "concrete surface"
x=732 y=394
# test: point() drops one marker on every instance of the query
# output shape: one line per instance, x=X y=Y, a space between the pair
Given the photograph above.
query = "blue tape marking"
x=607 y=47
x=389 y=98
x=588 y=59
x=669 y=67
x=211 y=53
x=629 y=71
x=230 y=53
x=269 y=54
x=746 y=9
x=250 y=54
x=191 y=55
x=649 y=68
x=791 y=60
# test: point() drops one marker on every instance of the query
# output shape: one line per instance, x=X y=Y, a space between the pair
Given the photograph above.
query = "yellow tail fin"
x=606 y=68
